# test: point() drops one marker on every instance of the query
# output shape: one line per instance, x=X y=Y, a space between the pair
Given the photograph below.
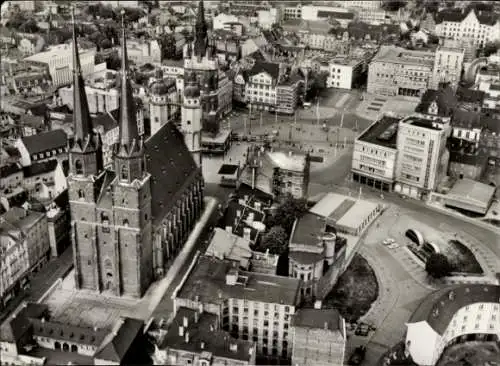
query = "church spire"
x=200 y=36
x=129 y=139
x=81 y=114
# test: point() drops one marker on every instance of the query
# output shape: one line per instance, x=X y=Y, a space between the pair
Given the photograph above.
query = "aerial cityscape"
x=205 y=182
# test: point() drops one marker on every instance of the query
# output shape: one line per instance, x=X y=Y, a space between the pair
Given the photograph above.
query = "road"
x=41 y=281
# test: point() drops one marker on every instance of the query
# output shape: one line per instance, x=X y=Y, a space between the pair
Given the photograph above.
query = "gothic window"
x=81 y=194
x=105 y=222
x=124 y=172
x=78 y=166
x=125 y=222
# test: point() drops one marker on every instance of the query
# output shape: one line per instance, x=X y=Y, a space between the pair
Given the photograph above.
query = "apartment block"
x=422 y=154
x=344 y=72
x=398 y=71
x=448 y=65
x=250 y=306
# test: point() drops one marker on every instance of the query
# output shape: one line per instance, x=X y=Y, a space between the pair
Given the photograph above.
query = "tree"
x=290 y=209
x=438 y=266
x=275 y=240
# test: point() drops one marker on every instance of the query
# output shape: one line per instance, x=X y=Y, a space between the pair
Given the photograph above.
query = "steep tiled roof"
x=457 y=15
x=271 y=68
x=67 y=332
x=108 y=121
x=438 y=308
x=335 y=14
x=9 y=169
x=45 y=141
x=117 y=347
x=171 y=166
x=444 y=97
x=40 y=168
x=19 y=323
x=466 y=95
x=466 y=119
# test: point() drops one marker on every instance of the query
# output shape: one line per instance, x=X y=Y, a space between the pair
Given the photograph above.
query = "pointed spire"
x=129 y=133
x=200 y=36
x=81 y=114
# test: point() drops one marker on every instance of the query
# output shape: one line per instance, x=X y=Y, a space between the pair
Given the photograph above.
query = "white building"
x=448 y=65
x=375 y=154
x=220 y=21
x=143 y=52
x=478 y=27
x=344 y=72
x=59 y=60
x=453 y=315
x=364 y=4
x=342 y=15
x=266 y=18
x=422 y=154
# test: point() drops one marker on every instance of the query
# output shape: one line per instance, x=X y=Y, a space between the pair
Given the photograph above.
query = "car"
x=388 y=241
x=393 y=246
x=358 y=356
x=362 y=330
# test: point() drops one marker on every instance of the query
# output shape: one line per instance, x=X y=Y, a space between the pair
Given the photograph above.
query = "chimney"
x=326 y=325
x=246 y=233
x=202 y=345
x=196 y=317
x=251 y=217
x=185 y=322
x=238 y=213
x=246 y=198
x=211 y=327
x=317 y=304
x=233 y=347
x=290 y=153
x=200 y=308
x=229 y=229
x=181 y=331
x=186 y=338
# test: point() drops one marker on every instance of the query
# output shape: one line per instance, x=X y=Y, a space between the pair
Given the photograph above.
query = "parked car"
x=357 y=356
x=393 y=246
x=362 y=330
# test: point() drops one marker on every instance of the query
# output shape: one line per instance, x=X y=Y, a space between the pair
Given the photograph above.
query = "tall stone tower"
x=158 y=103
x=191 y=124
x=85 y=173
x=131 y=206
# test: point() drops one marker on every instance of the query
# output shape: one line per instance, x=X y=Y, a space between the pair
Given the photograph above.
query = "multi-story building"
x=422 y=154
x=292 y=12
x=448 y=64
x=319 y=337
x=44 y=180
x=143 y=52
x=287 y=94
x=11 y=177
x=59 y=60
x=163 y=102
x=341 y=15
x=24 y=248
x=363 y=4
x=344 y=72
x=468 y=25
x=260 y=90
x=147 y=204
x=247 y=304
x=277 y=172
x=453 y=315
x=398 y=71
x=42 y=147
x=375 y=154
x=194 y=338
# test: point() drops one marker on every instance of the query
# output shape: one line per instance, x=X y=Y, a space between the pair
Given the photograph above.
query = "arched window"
x=124 y=172
x=81 y=194
x=78 y=166
x=125 y=222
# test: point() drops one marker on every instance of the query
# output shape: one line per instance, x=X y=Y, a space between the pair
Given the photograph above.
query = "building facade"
x=448 y=65
x=163 y=102
x=397 y=71
x=422 y=154
x=130 y=222
x=344 y=72
x=191 y=120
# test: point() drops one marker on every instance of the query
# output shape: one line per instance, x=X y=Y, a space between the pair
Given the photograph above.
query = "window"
x=124 y=172
x=78 y=166
x=81 y=194
x=125 y=222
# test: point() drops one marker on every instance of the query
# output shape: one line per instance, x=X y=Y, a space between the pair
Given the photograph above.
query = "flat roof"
x=289 y=160
x=225 y=245
x=357 y=213
x=307 y=229
x=375 y=133
x=57 y=51
x=318 y=319
x=403 y=56
x=207 y=283
x=345 y=61
x=228 y=169
x=422 y=122
x=470 y=190
x=328 y=204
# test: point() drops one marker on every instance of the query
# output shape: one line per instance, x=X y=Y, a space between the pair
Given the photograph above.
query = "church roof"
x=117 y=347
x=170 y=164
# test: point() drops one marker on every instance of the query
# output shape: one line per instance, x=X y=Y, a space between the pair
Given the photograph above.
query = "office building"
x=344 y=72
x=453 y=315
x=422 y=154
x=448 y=65
x=319 y=337
x=251 y=306
x=375 y=154
x=398 y=71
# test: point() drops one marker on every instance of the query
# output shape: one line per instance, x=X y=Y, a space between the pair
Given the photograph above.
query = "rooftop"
x=203 y=336
x=21 y=218
x=288 y=160
x=307 y=229
x=45 y=141
x=239 y=215
x=228 y=169
x=382 y=132
x=55 y=52
x=438 y=308
x=423 y=122
x=329 y=319
x=207 y=283
x=472 y=190
x=225 y=245
x=403 y=56
x=42 y=167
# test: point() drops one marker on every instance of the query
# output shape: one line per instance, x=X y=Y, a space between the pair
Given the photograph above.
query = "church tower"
x=191 y=117
x=131 y=198
x=86 y=171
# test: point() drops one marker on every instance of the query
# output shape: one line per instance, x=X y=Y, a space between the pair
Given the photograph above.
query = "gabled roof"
x=466 y=119
x=271 y=68
x=9 y=169
x=444 y=97
x=457 y=15
x=108 y=120
x=19 y=323
x=45 y=141
x=40 y=168
x=120 y=341
x=491 y=124
x=467 y=95
x=335 y=14
x=171 y=166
